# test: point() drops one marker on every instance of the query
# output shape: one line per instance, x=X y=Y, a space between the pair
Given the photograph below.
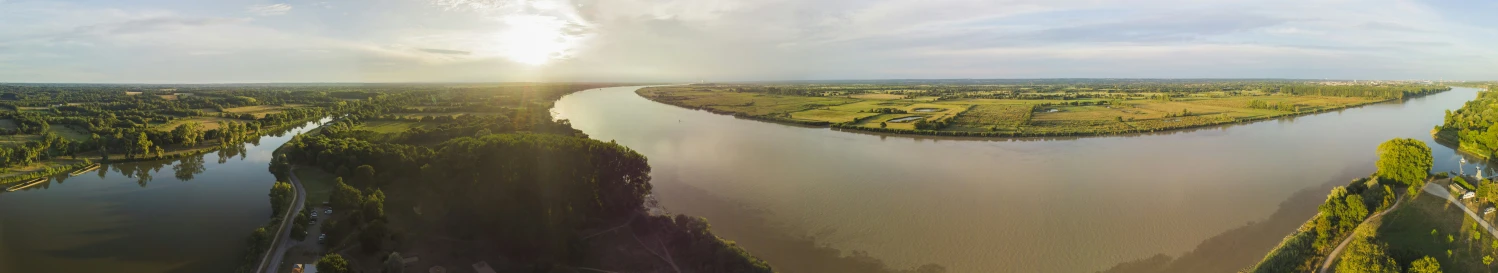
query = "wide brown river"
x=817 y=200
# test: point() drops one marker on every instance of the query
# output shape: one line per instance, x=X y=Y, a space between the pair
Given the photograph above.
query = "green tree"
x=333 y=263
x=1406 y=161
x=281 y=195
x=365 y=175
x=346 y=197
x=394 y=263
x=143 y=144
x=1425 y=265
x=1366 y=256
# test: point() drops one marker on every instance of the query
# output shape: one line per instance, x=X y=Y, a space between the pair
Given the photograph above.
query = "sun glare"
x=535 y=39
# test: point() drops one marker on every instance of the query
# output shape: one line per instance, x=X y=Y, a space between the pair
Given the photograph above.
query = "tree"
x=374 y=205
x=1366 y=256
x=1406 y=161
x=333 y=263
x=143 y=144
x=281 y=195
x=365 y=174
x=346 y=197
x=395 y=263
x=1428 y=265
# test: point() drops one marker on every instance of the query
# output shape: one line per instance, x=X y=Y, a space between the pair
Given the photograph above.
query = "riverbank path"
x=1331 y=258
x=1434 y=189
x=272 y=260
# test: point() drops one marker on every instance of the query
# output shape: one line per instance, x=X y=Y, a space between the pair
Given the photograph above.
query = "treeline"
x=1084 y=89
x=1280 y=106
x=1380 y=91
x=509 y=174
x=1401 y=163
x=1472 y=128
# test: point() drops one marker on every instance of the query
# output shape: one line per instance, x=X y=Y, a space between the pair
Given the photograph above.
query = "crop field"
x=1090 y=113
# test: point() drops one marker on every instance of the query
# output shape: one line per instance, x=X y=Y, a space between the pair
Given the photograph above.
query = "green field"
x=1407 y=230
x=319 y=184
x=385 y=126
x=1105 y=113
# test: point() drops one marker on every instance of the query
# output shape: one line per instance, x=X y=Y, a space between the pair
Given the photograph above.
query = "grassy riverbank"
x=1013 y=113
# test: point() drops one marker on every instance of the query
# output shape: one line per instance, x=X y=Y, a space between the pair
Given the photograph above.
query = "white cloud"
x=269 y=10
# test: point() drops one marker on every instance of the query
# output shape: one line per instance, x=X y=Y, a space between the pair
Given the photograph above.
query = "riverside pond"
x=1212 y=199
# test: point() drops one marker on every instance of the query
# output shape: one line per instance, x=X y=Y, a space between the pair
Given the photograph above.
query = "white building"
x=1468 y=195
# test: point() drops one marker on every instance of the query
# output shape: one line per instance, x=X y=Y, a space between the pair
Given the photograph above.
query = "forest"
x=45 y=127
x=489 y=166
x=1471 y=128
x=1028 y=108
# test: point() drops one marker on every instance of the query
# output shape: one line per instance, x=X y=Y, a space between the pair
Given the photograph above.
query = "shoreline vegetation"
x=1021 y=109
x=1403 y=171
x=47 y=130
x=455 y=177
x=1471 y=129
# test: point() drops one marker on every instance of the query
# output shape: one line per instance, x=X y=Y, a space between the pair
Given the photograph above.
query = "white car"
x=329 y=211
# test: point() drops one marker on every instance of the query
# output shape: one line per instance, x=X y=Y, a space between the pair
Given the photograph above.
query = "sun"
x=536 y=39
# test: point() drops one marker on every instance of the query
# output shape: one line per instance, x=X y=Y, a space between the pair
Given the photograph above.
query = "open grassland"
x=7 y=124
x=319 y=184
x=386 y=126
x=70 y=132
x=208 y=123
x=890 y=111
x=1408 y=231
x=259 y=110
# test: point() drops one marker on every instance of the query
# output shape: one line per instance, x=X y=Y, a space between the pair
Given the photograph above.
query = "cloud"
x=444 y=51
x=269 y=10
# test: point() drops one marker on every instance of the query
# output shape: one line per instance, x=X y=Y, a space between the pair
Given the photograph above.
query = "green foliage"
x=281 y=195
x=333 y=263
x=1430 y=265
x=1364 y=255
x=346 y=197
x=393 y=263
x=1405 y=161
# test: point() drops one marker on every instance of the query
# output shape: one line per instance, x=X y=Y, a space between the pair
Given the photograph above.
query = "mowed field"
x=1428 y=225
x=1049 y=117
x=259 y=110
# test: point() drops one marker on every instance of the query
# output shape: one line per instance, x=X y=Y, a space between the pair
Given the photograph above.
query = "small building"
x=304 y=268
x=1468 y=195
x=1487 y=211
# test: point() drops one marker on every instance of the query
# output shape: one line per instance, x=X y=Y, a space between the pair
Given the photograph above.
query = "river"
x=1217 y=198
x=185 y=215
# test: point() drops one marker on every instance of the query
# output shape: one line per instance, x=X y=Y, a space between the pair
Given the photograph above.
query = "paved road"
x=1441 y=191
x=272 y=261
x=1435 y=189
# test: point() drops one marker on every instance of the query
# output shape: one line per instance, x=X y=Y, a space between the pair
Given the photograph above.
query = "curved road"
x=272 y=261
x=1332 y=257
x=1430 y=188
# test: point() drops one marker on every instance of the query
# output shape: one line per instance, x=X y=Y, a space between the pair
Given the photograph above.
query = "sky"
x=251 y=41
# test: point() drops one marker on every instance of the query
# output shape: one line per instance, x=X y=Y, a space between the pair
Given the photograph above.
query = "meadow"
x=992 y=111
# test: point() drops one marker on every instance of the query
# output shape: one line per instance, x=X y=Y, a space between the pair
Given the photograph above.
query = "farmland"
x=1004 y=110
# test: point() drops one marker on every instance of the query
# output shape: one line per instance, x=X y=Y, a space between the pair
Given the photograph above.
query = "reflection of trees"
x=225 y=154
x=188 y=167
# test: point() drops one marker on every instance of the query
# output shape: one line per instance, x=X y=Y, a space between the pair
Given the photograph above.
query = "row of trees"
x=1401 y=163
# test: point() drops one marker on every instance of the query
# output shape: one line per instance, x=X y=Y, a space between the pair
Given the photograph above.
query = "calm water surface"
x=1068 y=205
x=185 y=215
